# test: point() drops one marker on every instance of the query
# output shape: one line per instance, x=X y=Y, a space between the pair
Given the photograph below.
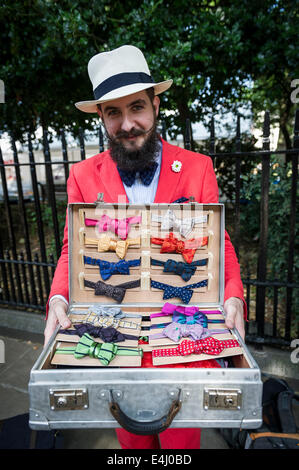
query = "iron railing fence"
x=27 y=272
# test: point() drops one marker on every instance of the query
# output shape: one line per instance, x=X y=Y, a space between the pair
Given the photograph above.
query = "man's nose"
x=127 y=123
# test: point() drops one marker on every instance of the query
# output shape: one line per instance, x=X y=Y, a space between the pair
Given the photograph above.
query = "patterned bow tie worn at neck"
x=105 y=352
x=185 y=270
x=184 y=293
x=107 y=268
x=209 y=345
x=176 y=331
x=106 y=243
x=146 y=175
x=173 y=245
x=108 y=335
x=120 y=227
x=184 y=226
x=115 y=292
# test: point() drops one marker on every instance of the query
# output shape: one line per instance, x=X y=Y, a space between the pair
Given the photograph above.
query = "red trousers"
x=172 y=438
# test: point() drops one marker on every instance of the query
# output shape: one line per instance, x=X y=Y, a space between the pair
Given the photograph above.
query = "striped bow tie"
x=184 y=293
x=185 y=270
x=120 y=227
x=107 y=268
x=209 y=345
x=105 y=352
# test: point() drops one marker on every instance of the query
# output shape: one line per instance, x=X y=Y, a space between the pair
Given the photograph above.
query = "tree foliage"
x=213 y=50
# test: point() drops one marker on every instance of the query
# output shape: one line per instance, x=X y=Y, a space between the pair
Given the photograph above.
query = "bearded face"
x=131 y=129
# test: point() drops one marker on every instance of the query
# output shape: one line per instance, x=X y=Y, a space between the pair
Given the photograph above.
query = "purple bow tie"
x=120 y=227
x=176 y=331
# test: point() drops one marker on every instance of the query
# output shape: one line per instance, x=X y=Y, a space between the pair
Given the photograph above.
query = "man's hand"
x=233 y=308
x=56 y=315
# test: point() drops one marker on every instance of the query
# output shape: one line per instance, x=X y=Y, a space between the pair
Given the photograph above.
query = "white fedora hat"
x=119 y=73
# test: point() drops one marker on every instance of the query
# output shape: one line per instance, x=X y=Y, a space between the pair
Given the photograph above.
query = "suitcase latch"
x=68 y=399
x=222 y=399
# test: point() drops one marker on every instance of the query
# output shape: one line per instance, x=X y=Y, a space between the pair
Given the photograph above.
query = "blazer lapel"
x=111 y=180
x=169 y=179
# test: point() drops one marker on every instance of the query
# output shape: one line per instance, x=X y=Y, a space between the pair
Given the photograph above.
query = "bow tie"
x=120 y=227
x=115 y=292
x=176 y=331
x=106 y=243
x=185 y=270
x=198 y=317
x=108 y=335
x=105 y=352
x=146 y=175
x=185 y=226
x=107 y=268
x=208 y=345
x=174 y=245
x=184 y=293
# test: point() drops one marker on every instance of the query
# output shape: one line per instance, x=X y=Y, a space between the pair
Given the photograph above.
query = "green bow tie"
x=105 y=352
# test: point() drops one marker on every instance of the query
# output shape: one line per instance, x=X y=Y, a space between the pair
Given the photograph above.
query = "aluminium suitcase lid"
x=104 y=237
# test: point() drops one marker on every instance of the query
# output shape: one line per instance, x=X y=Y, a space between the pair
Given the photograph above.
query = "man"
x=139 y=166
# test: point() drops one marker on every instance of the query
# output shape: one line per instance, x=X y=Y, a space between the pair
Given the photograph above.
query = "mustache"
x=132 y=133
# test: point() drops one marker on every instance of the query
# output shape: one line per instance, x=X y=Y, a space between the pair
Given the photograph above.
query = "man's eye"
x=137 y=108
x=113 y=112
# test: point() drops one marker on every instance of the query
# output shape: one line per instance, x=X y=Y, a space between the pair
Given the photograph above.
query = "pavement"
x=22 y=348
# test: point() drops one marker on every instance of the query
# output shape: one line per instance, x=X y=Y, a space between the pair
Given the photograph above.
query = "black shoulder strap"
x=285 y=411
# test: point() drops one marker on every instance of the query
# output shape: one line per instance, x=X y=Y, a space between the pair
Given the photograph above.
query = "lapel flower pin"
x=176 y=166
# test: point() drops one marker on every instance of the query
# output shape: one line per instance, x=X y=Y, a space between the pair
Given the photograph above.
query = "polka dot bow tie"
x=171 y=244
x=146 y=175
x=115 y=292
x=184 y=293
x=209 y=346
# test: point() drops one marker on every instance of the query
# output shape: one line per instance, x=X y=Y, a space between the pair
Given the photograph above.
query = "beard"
x=139 y=159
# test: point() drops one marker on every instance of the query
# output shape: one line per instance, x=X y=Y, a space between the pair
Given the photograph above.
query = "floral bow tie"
x=171 y=244
x=185 y=270
x=106 y=243
x=120 y=227
x=209 y=345
x=105 y=352
x=115 y=292
x=184 y=226
x=107 y=268
x=184 y=293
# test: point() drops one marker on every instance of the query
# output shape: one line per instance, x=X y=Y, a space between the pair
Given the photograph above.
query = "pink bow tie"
x=210 y=346
x=120 y=227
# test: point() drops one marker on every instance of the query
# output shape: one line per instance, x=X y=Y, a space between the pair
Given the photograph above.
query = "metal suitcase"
x=145 y=400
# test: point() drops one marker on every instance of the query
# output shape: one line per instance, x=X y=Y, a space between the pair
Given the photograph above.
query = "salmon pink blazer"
x=197 y=178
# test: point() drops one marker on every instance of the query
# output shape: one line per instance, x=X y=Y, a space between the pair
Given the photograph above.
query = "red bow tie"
x=209 y=345
x=174 y=245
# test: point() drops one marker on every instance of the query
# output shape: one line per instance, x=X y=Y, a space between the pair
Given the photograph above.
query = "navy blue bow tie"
x=185 y=270
x=146 y=175
x=107 y=268
x=184 y=293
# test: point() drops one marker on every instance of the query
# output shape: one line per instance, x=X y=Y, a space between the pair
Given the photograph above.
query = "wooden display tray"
x=145 y=299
